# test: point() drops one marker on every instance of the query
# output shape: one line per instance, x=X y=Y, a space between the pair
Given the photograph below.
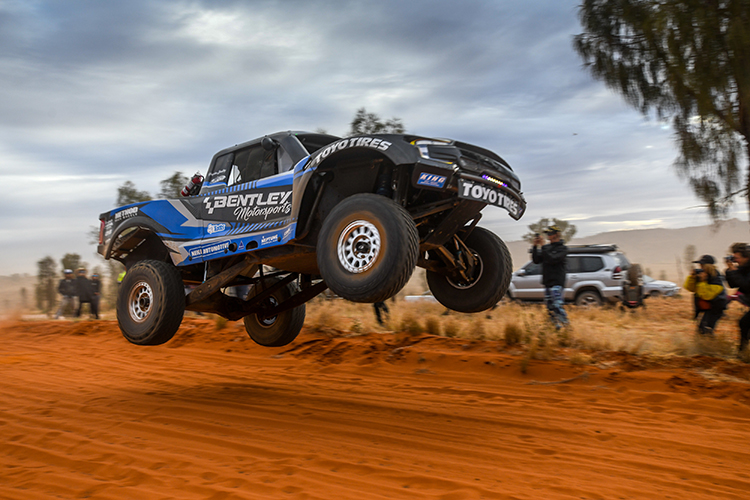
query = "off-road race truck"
x=290 y=214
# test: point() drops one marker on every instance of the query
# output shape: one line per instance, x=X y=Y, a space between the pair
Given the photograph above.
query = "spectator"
x=710 y=298
x=96 y=288
x=85 y=293
x=552 y=258
x=66 y=288
x=738 y=276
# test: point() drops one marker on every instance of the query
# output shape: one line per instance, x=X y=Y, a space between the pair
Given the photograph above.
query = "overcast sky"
x=95 y=93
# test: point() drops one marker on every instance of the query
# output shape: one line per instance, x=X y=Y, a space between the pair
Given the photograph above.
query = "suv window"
x=572 y=264
x=591 y=263
x=532 y=269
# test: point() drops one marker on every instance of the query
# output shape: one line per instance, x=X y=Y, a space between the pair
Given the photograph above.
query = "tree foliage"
x=370 y=123
x=71 y=261
x=171 y=186
x=688 y=61
x=567 y=229
x=46 y=291
x=127 y=194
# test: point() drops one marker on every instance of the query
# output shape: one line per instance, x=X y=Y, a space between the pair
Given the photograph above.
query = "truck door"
x=251 y=205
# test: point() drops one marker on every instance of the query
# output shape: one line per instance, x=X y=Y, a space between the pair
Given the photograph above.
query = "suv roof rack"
x=597 y=248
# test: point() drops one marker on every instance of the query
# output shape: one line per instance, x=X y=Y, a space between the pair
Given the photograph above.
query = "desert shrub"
x=410 y=325
x=356 y=326
x=513 y=333
x=321 y=320
x=450 y=329
x=580 y=359
x=718 y=346
x=432 y=325
x=477 y=330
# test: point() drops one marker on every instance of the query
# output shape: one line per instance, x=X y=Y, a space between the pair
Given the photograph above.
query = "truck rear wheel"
x=278 y=330
x=490 y=279
x=367 y=248
x=150 y=303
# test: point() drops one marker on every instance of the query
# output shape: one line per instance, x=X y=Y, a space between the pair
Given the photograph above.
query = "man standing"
x=96 y=288
x=552 y=258
x=84 y=291
x=66 y=288
x=738 y=276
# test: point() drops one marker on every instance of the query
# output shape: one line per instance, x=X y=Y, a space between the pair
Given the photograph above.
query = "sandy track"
x=84 y=414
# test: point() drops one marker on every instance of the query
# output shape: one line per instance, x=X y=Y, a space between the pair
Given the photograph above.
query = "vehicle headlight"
x=423 y=145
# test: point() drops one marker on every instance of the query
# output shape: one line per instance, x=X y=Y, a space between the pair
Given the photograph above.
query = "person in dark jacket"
x=738 y=276
x=552 y=258
x=66 y=288
x=85 y=292
x=96 y=289
x=710 y=298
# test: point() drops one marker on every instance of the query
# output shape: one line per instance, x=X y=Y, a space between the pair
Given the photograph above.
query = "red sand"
x=210 y=415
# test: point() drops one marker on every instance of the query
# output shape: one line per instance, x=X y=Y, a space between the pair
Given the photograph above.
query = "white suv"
x=595 y=274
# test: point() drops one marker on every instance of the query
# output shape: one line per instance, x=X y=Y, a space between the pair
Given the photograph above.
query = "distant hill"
x=660 y=249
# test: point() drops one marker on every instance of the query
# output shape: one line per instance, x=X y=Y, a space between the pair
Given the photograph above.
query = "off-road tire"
x=367 y=248
x=150 y=303
x=588 y=299
x=279 y=330
x=492 y=276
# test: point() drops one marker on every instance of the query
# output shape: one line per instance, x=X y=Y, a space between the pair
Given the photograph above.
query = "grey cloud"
x=137 y=90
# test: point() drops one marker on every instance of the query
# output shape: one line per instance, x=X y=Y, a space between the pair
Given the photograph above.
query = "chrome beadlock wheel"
x=140 y=301
x=358 y=246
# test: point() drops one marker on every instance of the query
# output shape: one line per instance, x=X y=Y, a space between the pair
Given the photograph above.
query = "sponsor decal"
x=253 y=205
x=431 y=180
x=267 y=240
x=219 y=175
x=363 y=142
x=287 y=233
x=126 y=214
x=209 y=250
x=471 y=191
x=216 y=228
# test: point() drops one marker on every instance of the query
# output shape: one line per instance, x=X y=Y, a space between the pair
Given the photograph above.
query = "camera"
x=729 y=258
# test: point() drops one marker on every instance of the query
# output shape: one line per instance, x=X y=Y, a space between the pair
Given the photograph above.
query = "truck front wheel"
x=150 y=303
x=367 y=248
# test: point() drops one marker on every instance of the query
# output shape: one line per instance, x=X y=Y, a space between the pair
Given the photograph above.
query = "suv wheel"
x=367 y=248
x=489 y=283
x=278 y=330
x=588 y=299
x=150 y=303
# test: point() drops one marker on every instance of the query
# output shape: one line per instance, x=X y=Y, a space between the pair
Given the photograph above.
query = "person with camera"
x=710 y=298
x=66 y=288
x=738 y=276
x=552 y=258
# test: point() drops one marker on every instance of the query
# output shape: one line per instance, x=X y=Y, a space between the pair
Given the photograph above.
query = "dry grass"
x=665 y=327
